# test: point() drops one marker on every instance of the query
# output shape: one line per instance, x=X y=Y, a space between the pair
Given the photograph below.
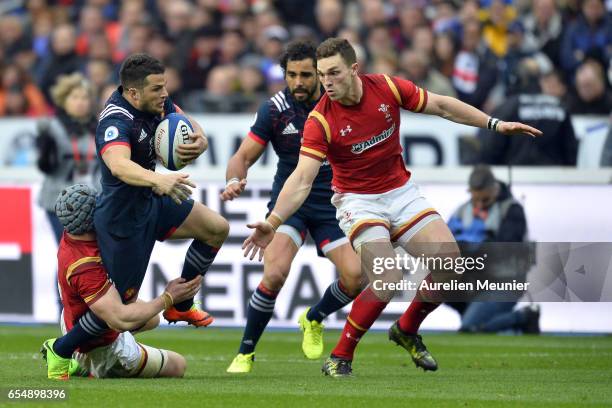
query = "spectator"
x=544 y=28
x=204 y=56
x=606 y=155
x=556 y=147
x=329 y=16
x=552 y=84
x=66 y=145
x=13 y=37
x=492 y=215
x=63 y=59
x=591 y=97
x=495 y=27
x=409 y=18
x=475 y=71
x=19 y=96
x=590 y=36
x=445 y=51
x=517 y=52
x=418 y=68
x=178 y=30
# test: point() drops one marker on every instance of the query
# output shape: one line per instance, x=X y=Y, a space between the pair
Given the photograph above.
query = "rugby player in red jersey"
x=355 y=126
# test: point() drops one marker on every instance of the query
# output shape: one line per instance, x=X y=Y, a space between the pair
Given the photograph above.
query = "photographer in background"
x=492 y=215
x=66 y=145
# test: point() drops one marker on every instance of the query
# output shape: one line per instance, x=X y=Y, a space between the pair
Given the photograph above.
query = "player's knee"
x=352 y=284
x=176 y=366
x=218 y=230
x=275 y=274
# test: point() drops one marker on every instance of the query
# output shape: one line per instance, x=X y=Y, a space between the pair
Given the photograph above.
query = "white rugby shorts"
x=396 y=215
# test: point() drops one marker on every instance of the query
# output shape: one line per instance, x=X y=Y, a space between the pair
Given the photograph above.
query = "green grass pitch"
x=475 y=371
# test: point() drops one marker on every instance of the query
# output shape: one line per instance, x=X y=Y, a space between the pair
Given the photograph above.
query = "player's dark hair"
x=297 y=51
x=136 y=68
x=334 y=46
x=482 y=178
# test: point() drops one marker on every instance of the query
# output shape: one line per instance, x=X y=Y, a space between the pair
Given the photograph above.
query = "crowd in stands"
x=221 y=55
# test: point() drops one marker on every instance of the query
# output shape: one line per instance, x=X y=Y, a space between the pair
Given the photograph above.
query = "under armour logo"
x=346 y=130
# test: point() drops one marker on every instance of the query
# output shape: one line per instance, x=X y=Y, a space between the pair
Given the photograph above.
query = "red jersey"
x=82 y=281
x=362 y=141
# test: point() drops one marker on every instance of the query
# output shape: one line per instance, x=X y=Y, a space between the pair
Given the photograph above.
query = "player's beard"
x=307 y=96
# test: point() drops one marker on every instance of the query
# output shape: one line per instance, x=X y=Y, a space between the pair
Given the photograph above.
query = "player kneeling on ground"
x=84 y=286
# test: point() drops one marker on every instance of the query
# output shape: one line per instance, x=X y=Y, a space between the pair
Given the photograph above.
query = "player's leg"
x=431 y=239
x=277 y=264
x=363 y=219
x=368 y=306
x=208 y=230
x=126 y=358
x=332 y=243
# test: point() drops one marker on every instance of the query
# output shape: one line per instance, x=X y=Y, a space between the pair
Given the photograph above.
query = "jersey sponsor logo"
x=143 y=135
x=361 y=147
x=346 y=130
x=111 y=133
x=290 y=130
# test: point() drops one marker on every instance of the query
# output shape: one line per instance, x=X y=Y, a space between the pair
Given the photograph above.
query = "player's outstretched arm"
x=132 y=316
x=188 y=152
x=238 y=166
x=175 y=185
x=292 y=196
x=460 y=112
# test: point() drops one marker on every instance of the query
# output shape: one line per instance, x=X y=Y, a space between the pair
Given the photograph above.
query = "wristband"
x=492 y=123
x=274 y=220
x=232 y=181
x=168 y=300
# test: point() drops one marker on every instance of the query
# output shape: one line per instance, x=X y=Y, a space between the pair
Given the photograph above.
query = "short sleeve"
x=315 y=144
x=90 y=281
x=261 y=130
x=111 y=131
x=409 y=96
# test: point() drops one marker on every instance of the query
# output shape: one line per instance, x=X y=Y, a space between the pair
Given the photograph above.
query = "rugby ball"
x=172 y=131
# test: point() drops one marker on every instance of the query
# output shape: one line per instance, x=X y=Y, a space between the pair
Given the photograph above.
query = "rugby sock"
x=410 y=321
x=334 y=298
x=259 y=312
x=198 y=259
x=87 y=328
x=366 y=309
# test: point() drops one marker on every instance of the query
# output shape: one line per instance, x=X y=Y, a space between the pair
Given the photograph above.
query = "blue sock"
x=334 y=299
x=198 y=259
x=259 y=312
x=87 y=328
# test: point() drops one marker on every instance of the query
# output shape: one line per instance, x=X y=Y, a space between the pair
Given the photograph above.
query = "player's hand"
x=233 y=190
x=517 y=128
x=188 y=152
x=174 y=185
x=258 y=240
x=181 y=290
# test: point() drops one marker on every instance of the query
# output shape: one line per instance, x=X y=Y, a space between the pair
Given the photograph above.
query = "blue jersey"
x=280 y=120
x=122 y=207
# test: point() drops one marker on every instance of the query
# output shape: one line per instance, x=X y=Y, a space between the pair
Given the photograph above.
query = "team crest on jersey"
x=111 y=133
x=346 y=130
x=384 y=108
x=361 y=147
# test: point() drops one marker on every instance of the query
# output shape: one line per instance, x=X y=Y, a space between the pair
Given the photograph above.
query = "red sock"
x=412 y=318
x=366 y=309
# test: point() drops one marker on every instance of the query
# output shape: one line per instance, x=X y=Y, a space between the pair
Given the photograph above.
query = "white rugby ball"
x=171 y=132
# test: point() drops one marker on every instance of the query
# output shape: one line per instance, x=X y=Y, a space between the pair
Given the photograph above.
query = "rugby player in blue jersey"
x=280 y=121
x=139 y=206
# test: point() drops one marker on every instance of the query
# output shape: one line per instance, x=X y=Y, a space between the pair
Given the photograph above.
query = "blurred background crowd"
x=221 y=55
